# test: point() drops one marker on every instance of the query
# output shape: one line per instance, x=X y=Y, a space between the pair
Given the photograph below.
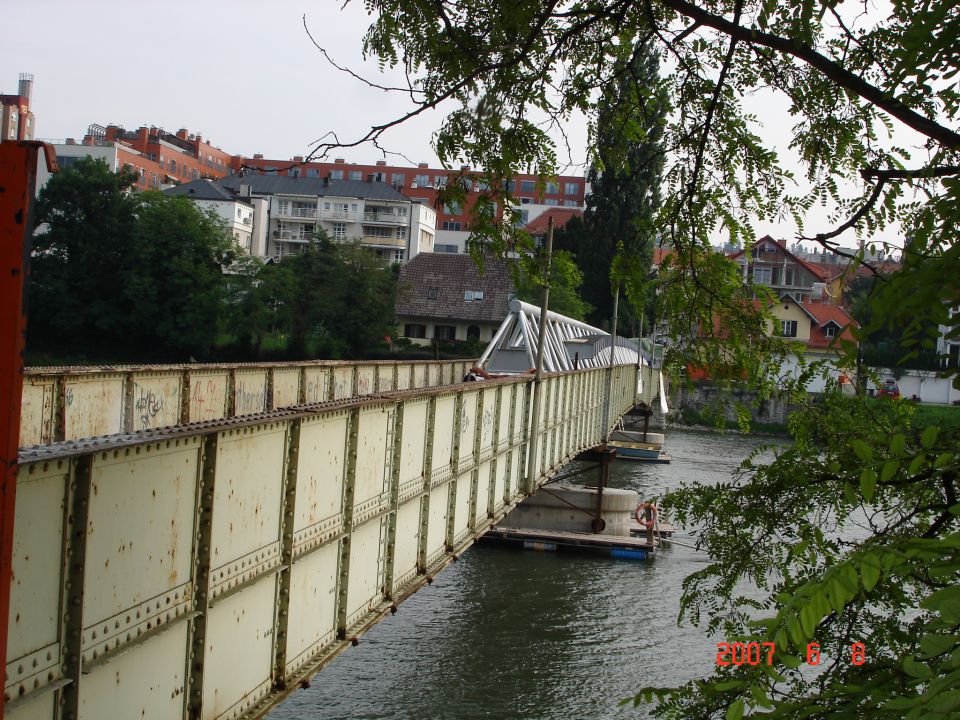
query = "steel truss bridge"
x=231 y=529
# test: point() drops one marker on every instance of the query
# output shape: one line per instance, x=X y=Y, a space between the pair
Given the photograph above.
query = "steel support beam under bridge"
x=204 y=571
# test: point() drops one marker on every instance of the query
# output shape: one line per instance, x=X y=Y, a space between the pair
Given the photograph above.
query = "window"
x=339 y=230
x=450 y=225
x=336 y=174
x=283 y=207
x=397 y=179
x=452 y=208
x=761 y=274
x=356 y=175
x=415 y=330
x=294 y=172
x=571 y=188
x=527 y=186
x=313 y=172
x=788 y=275
x=441 y=181
x=473 y=332
x=441 y=248
x=400 y=233
x=398 y=256
x=788 y=328
x=830 y=331
x=422 y=180
x=570 y=203
x=445 y=332
x=473 y=295
x=552 y=189
x=432 y=293
x=551 y=201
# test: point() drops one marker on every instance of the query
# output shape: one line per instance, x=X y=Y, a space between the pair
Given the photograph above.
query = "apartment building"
x=423 y=183
x=16 y=120
x=383 y=220
x=238 y=212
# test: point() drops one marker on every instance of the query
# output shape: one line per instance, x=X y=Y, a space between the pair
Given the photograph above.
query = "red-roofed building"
x=769 y=263
x=540 y=224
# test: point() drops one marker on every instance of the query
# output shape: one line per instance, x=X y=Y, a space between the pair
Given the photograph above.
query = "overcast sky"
x=244 y=74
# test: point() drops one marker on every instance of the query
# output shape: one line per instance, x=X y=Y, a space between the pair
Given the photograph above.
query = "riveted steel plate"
x=483 y=491
x=38 y=411
x=156 y=400
x=33 y=628
x=374 y=452
x=286 y=388
x=367 y=555
x=32 y=708
x=146 y=682
x=404 y=376
x=313 y=595
x=247 y=500
x=139 y=539
x=342 y=382
x=437 y=522
x=384 y=378
x=366 y=379
x=249 y=392
x=407 y=542
x=316 y=384
x=93 y=406
x=320 y=475
x=208 y=395
x=420 y=375
x=238 y=656
x=461 y=518
x=468 y=428
x=443 y=426
x=412 y=447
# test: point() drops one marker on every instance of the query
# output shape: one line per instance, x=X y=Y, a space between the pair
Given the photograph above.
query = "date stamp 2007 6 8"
x=753 y=653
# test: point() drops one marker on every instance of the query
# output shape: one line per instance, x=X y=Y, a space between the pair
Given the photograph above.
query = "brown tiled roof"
x=823 y=314
x=452 y=275
x=561 y=216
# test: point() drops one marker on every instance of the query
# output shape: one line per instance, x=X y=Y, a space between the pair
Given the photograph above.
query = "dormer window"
x=473 y=296
x=432 y=293
x=830 y=331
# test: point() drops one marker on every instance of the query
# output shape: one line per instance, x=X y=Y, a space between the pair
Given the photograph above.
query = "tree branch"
x=925 y=173
x=840 y=75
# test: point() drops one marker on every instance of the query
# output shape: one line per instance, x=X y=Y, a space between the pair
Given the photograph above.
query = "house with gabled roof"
x=768 y=262
x=444 y=296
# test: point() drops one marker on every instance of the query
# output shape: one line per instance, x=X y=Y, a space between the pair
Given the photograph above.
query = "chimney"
x=199 y=138
x=182 y=133
x=71 y=141
x=245 y=190
x=381 y=163
x=339 y=161
x=423 y=165
x=258 y=156
x=298 y=158
x=26 y=86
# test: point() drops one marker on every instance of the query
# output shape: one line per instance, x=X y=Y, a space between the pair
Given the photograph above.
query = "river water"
x=509 y=634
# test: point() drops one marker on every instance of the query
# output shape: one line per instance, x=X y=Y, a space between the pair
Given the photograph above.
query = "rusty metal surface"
x=75 y=402
x=226 y=561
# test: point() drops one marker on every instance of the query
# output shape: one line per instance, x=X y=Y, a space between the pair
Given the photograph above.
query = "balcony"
x=337 y=215
x=384 y=217
x=296 y=212
x=383 y=242
x=292 y=236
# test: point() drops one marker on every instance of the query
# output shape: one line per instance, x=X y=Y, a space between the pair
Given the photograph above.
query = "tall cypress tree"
x=614 y=241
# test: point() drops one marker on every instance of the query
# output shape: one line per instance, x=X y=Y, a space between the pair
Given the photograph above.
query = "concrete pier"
x=573 y=509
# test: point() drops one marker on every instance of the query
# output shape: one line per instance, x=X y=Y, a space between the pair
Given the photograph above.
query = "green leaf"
x=760 y=697
x=862 y=450
x=870 y=572
x=929 y=436
x=898 y=443
x=868 y=483
x=932 y=645
x=735 y=711
x=943 y=459
x=850 y=494
x=889 y=469
x=916 y=669
x=916 y=464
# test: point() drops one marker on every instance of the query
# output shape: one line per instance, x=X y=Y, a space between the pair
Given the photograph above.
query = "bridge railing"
x=68 y=403
x=204 y=571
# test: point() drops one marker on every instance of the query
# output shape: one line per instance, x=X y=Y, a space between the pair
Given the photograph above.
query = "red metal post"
x=18 y=175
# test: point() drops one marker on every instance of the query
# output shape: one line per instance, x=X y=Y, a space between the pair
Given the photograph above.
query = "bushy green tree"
x=565 y=281
x=851 y=535
x=117 y=274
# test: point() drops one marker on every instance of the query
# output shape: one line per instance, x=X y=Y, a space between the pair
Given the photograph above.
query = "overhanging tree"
x=847 y=78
